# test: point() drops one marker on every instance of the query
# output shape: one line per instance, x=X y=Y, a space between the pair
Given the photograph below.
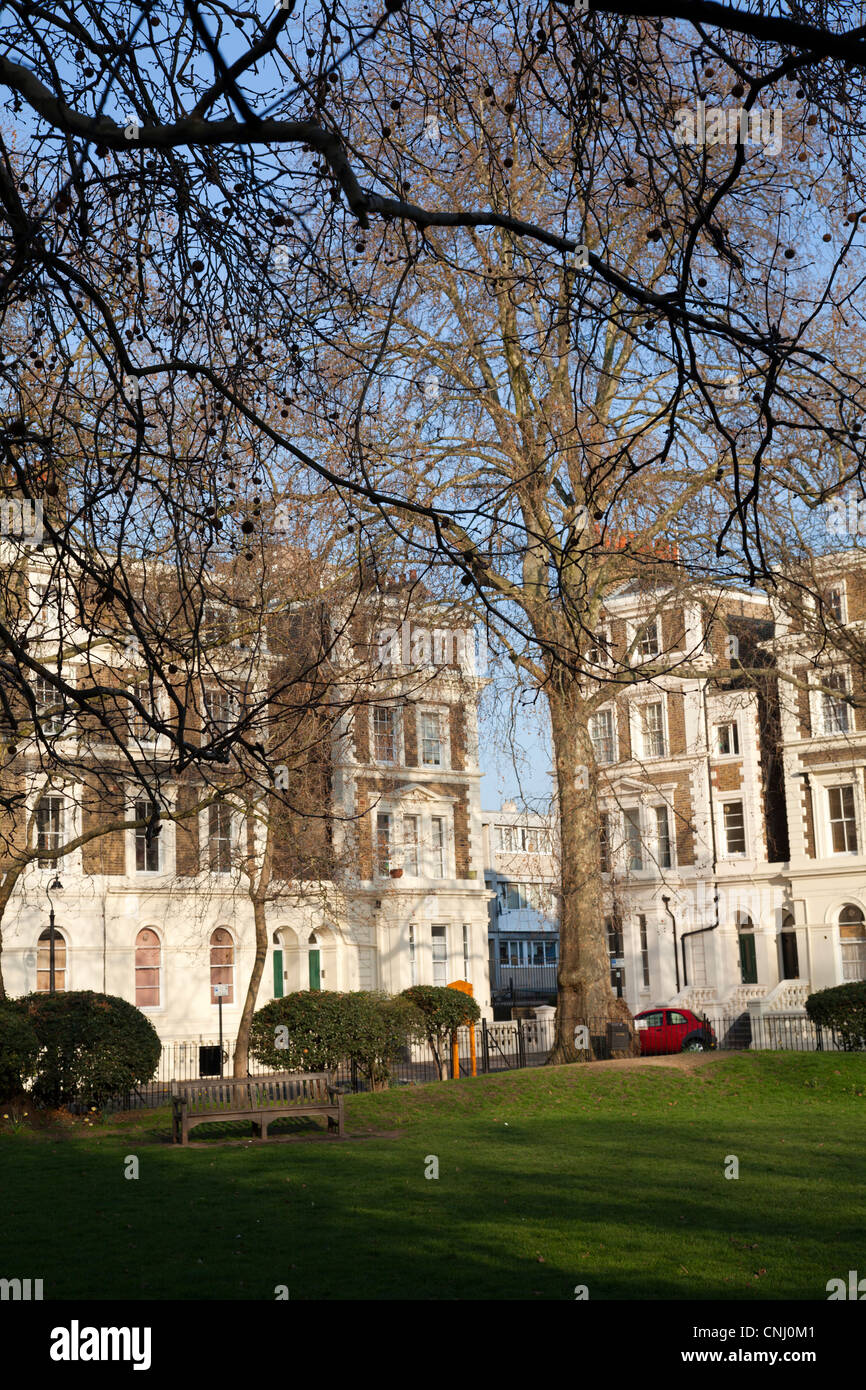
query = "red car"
x=672 y=1030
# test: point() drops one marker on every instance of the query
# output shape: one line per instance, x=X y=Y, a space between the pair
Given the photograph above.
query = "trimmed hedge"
x=842 y=1007
x=19 y=1048
x=91 y=1046
x=316 y=1030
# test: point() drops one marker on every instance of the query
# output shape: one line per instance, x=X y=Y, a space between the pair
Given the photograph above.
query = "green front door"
x=748 y=959
x=278 y=974
x=315 y=971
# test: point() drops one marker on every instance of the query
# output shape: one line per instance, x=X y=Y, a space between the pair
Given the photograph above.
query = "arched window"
x=148 y=965
x=852 y=934
x=748 y=954
x=43 y=962
x=222 y=964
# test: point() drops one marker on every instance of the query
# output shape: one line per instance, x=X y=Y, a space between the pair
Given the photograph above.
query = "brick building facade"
x=382 y=885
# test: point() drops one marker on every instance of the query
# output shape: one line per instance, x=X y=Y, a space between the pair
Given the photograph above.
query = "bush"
x=91 y=1046
x=305 y=1031
x=380 y=1025
x=316 y=1030
x=442 y=1010
x=19 y=1047
x=843 y=1007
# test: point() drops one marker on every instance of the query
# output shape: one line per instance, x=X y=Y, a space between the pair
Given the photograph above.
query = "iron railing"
x=494 y=1047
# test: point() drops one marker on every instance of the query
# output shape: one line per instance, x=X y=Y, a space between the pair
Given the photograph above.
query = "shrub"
x=316 y=1030
x=380 y=1024
x=91 y=1046
x=843 y=1007
x=19 y=1047
x=305 y=1031
x=442 y=1010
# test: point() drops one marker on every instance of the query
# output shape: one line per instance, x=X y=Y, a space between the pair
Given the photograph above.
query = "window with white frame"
x=663 y=847
x=834 y=602
x=604 y=841
x=411 y=841
x=601 y=732
x=221 y=707
x=49 y=825
x=147 y=838
x=835 y=710
x=45 y=602
x=644 y=951
x=646 y=641
x=522 y=953
x=148 y=969
x=727 y=738
x=431 y=738
x=220 y=837
x=142 y=723
x=384 y=734
x=537 y=840
x=413 y=963
x=48 y=706
x=843 y=820
x=652 y=729
x=466 y=950
x=437 y=846
x=383 y=842
x=519 y=896
x=439 y=942
x=523 y=839
x=734 y=828
x=852 y=938
x=599 y=649
x=633 y=839
x=216 y=625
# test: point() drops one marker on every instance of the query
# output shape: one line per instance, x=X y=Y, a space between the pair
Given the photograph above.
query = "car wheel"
x=695 y=1043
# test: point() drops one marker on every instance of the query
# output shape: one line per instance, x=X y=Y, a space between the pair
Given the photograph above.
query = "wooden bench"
x=259 y=1099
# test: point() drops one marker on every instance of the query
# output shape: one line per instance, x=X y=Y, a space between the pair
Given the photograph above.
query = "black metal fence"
x=773 y=1032
x=494 y=1047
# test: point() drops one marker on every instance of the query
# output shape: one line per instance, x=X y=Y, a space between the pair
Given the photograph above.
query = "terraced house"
x=337 y=810
x=733 y=792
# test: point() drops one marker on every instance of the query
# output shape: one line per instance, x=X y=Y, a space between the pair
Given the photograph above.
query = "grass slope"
x=547 y=1179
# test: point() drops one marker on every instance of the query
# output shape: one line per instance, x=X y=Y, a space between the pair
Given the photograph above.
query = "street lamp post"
x=54 y=884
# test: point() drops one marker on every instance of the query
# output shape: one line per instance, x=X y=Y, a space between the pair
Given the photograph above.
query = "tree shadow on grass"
x=631 y=1208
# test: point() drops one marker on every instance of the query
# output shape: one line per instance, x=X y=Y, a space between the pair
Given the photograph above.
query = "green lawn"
x=547 y=1179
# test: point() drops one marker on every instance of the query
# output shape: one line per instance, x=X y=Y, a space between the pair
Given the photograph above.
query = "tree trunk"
x=242 y=1045
x=584 y=990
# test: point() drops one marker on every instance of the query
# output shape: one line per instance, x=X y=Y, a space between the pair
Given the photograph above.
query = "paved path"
x=680 y=1061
